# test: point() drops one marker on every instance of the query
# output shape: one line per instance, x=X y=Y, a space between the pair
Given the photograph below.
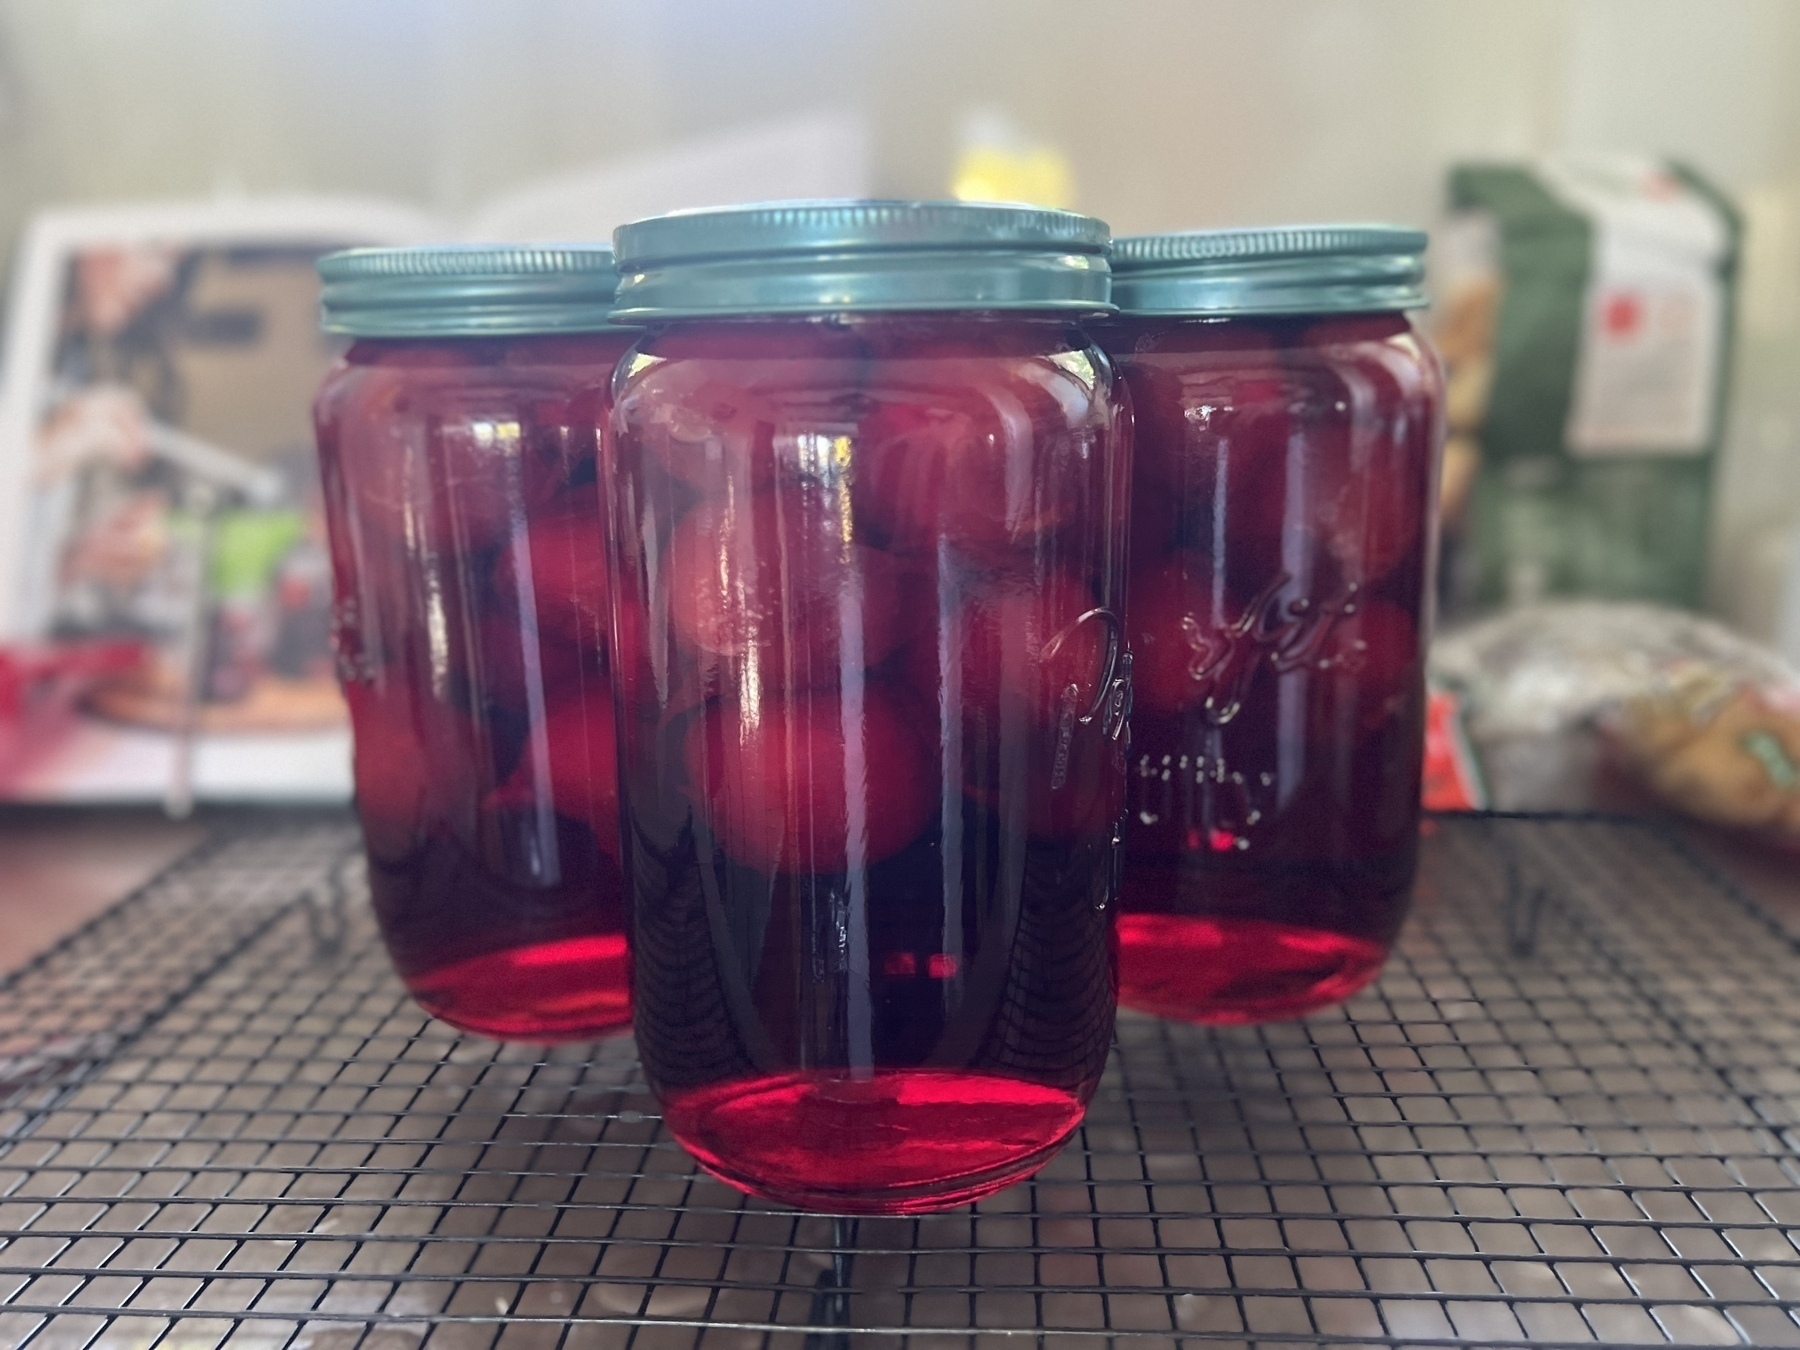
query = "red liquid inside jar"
x=1285 y=476
x=873 y=761
x=466 y=529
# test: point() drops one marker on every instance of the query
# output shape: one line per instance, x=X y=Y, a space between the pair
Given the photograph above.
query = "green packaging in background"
x=1586 y=320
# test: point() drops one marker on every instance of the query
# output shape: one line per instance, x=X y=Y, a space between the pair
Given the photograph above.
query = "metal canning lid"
x=1287 y=269
x=468 y=290
x=821 y=257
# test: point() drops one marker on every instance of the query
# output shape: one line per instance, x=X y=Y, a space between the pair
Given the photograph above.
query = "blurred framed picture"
x=164 y=582
x=158 y=498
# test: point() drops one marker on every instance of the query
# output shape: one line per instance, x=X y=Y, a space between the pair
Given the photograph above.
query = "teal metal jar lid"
x=468 y=290
x=1288 y=269
x=822 y=257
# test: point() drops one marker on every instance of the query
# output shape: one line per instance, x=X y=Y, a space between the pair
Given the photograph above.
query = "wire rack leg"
x=328 y=908
x=1523 y=908
x=831 y=1293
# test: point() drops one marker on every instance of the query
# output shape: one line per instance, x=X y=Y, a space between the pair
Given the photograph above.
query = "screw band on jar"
x=468 y=290
x=839 y=257
x=1296 y=269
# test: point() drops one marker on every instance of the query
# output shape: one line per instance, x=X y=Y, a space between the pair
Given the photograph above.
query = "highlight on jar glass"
x=867 y=508
x=1287 y=428
x=458 y=443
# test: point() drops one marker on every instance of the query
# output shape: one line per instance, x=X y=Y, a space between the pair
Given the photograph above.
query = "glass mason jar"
x=868 y=504
x=457 y=440
x=1288 y=420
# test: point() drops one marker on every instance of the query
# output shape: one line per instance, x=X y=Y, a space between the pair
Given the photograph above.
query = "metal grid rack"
x=1563 y=1117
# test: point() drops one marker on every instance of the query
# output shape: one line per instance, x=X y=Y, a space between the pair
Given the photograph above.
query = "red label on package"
x=1452 y=780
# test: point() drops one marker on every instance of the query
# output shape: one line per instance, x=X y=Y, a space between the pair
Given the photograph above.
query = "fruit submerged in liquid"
x=982 y=459
x=811 y=786
x=777 y=588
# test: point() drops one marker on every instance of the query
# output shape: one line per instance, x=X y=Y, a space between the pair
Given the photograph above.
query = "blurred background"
x=467 y=117
x=1171 y=113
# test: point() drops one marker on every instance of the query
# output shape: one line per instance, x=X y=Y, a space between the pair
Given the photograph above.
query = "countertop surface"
x=60 y=868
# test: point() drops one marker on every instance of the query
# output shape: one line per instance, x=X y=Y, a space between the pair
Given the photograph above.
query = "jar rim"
x=857 y=255
x=467 y=290
x=1284 y=269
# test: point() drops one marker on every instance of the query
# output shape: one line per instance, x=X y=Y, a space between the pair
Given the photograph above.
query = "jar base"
x=904 y=1141
x=571 y=989
x=1223 y=969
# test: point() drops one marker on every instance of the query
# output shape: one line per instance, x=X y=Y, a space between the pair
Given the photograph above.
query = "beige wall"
x=1175 y=112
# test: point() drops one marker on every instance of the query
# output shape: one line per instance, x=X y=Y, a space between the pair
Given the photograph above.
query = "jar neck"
x=871 y=335
x=858 y=318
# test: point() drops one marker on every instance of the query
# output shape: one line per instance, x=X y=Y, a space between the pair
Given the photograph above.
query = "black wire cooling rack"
x=1563 y=1117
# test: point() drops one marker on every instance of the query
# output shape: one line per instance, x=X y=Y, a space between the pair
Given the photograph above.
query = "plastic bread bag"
x=1717 y=747
x=1553 y=696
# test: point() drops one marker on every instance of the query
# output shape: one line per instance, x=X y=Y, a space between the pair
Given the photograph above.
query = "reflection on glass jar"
x=458 y=444
x=872 y=755
x=1287 y=423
